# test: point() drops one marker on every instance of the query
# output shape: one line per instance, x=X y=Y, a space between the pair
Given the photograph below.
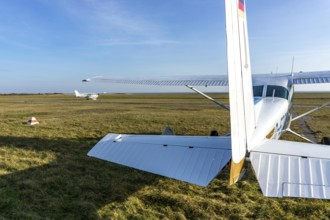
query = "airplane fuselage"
x=272 y=104
x=92 y=96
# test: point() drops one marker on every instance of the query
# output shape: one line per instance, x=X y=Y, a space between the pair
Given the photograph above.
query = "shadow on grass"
x=72 y=185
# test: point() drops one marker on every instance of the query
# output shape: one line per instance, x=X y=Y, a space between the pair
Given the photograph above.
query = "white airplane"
x=92 y=96
x=259 y=114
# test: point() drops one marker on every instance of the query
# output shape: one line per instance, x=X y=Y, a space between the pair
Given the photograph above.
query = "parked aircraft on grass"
x=259 y=115
x=92 y=96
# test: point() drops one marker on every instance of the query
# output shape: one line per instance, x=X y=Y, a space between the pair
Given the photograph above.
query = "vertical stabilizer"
x=240 y=84
x=77 y=93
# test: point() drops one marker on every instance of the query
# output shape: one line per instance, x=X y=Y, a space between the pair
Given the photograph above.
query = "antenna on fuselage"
x=292 y=66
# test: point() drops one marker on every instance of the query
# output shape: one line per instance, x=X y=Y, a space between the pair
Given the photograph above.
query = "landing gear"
x=214 y=133
x=325 y=141
x=168 y=130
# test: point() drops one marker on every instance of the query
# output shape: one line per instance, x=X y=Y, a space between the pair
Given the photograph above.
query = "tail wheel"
x=325 y=140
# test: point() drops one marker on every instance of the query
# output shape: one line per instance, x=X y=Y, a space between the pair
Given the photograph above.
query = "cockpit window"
x=257 y=91
x=277 y=91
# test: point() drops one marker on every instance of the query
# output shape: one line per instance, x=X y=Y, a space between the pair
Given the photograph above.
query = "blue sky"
x=50 y=45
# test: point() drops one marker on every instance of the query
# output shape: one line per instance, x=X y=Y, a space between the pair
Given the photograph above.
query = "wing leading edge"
x=193 y=159
x=204 y=80
x=292 y=169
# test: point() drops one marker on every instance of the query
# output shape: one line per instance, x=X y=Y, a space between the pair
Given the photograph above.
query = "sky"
x=51 y=45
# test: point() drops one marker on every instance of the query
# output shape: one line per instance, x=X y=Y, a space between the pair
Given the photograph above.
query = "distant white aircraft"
x=92 y=96
x=259 y=115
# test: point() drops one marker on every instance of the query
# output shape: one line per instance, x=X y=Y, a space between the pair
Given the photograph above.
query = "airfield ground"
x=45 y=173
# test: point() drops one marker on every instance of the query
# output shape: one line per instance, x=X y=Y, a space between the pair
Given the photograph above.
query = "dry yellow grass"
x=45 y=173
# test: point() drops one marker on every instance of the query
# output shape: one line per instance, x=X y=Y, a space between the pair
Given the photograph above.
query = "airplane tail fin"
x=242 y=117
x=77 y=93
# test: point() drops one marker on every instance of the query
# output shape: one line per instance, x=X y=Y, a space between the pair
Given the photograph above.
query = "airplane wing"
x=203 y=80
x=292 y=169
x=213 y=80
x=311 y=77
x=193 y=159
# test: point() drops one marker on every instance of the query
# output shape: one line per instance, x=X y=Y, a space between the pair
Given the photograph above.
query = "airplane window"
x=277 y=91
x=257 y=91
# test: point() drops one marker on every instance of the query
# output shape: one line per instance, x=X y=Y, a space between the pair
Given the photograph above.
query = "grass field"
x=45 y=173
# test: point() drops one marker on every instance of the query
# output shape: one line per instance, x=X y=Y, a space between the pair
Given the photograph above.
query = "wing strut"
x=302 y=115
x=208 y=97
x=301 y=136
x=311 y=111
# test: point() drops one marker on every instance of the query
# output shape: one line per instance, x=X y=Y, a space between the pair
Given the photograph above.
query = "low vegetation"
x=45 y=173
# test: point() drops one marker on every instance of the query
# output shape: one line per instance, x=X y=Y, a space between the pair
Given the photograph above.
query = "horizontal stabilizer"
x=292 y=169
x=193 y=159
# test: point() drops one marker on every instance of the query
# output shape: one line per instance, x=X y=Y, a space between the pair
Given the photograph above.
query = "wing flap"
x=192 y=159
x=292 y=169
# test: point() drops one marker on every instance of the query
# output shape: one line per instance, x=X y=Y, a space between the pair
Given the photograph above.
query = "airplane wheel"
x=214 y=133
x=325 y=140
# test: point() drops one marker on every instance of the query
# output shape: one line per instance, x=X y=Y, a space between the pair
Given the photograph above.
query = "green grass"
x=45 y=173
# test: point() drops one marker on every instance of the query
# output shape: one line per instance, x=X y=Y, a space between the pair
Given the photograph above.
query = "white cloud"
x=110 y=17
x=139 y=43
